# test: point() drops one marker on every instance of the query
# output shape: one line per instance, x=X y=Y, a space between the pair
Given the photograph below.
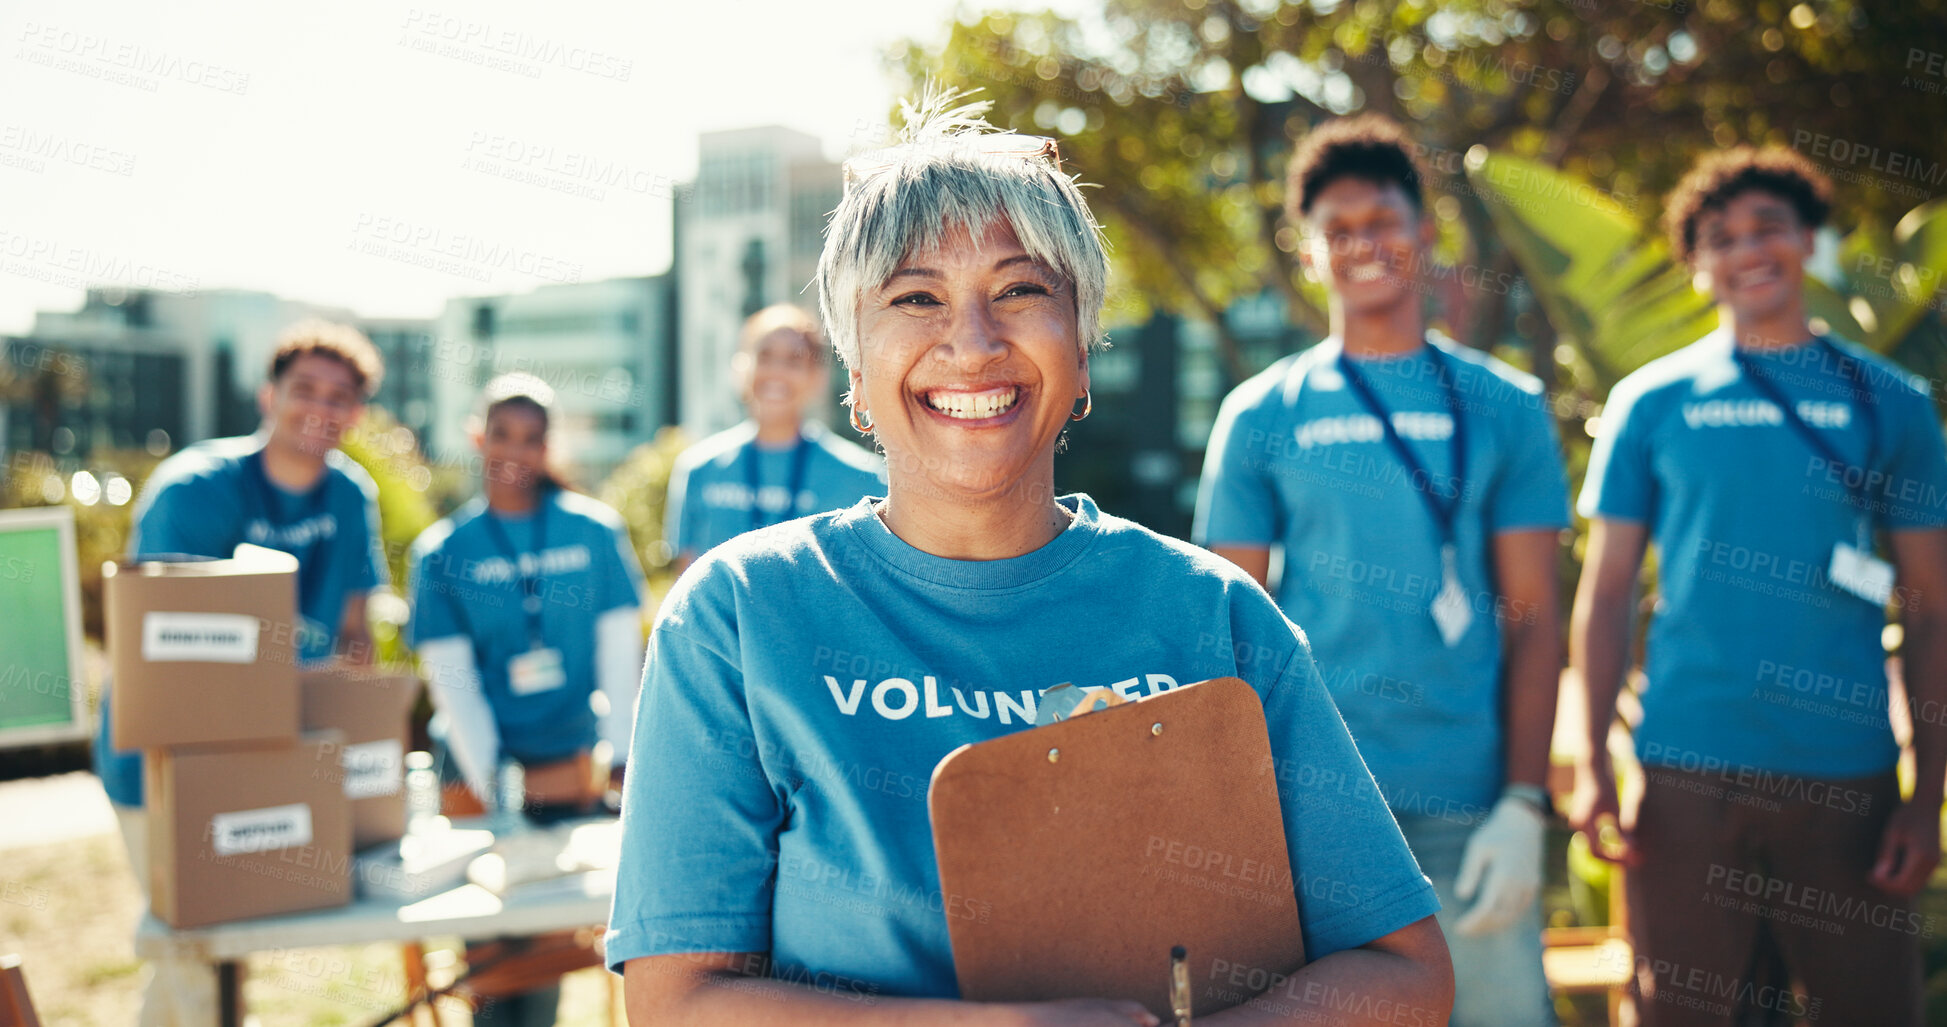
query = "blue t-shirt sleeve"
x=678 y=532
x=621 y=576
x=1532 y=489
x=1619 y=483
x=1356 y=880
x=183 y=518
x=1237 y=503
x=1917 y=491
x=434 y=613
x=700 y=818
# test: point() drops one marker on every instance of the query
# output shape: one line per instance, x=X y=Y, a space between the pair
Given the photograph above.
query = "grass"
x=69 y=910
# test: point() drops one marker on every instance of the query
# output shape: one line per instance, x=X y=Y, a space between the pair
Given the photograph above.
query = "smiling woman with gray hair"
x=804 y=680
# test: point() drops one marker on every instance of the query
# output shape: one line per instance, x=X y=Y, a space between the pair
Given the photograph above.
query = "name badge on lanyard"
x=539 y=669
x=1854 y=567
x=1452 y=613
x=536 y=670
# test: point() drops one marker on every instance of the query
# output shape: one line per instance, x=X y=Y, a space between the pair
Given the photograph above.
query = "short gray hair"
x=954 y=170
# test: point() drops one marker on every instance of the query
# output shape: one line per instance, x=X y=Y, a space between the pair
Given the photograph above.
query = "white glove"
x=1502 y=861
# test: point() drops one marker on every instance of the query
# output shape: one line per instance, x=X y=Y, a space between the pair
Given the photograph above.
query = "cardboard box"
x=203 y=652
x=243 y=831
x=370 y=706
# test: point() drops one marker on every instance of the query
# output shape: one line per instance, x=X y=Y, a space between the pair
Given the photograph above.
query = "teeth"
x=974 y=406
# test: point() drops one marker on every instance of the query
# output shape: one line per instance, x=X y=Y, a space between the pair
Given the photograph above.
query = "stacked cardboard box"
x=246 y=815
x=370 y=707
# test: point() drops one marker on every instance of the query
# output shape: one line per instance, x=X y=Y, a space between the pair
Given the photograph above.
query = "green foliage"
x=406 y=483
x=389 y=453
x=101 y=528
x=1185 y=111
x=1606 y=280
x=1613 y=292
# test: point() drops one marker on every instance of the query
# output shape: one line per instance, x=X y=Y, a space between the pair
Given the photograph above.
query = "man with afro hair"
x=1794 y=484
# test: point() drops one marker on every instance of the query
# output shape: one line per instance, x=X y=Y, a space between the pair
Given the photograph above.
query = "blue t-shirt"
x=1754 y=657
x=804 y=680
x=1297 y=460
x=467 y=581
x=213 y=496
x=711 y=498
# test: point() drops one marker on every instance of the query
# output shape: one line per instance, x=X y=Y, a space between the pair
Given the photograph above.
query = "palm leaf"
x=1608 y=285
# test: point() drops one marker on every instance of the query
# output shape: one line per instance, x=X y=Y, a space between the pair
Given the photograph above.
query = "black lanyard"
x=1443 y=510
x=310 y=576
x=1864 y=400
x=530 y=575
x=800 y=456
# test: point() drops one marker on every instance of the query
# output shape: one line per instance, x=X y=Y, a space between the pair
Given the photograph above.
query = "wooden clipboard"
x=1095 y=845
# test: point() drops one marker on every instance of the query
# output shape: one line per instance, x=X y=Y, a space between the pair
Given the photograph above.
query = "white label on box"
x=373 y=769
x=199 y=637
x=261 y=830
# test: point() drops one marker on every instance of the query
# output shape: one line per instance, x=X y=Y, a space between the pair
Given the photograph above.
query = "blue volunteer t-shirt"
x=214 y=496
x=1755 y=659
x=1297 y=460
x=710 y=495
x=804 y=680
x=467 y=582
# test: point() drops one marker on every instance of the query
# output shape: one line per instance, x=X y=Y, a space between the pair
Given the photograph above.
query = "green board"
x=42 y=697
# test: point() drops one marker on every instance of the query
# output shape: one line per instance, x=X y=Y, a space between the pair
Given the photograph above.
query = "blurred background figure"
x=527 y=617
x=527 y=609
x=777 y=464
x=1770 y=462
x=1416 y=489
x=286 y=487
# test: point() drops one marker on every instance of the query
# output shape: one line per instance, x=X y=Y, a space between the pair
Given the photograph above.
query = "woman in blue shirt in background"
x=528 y=623
x=527 y=607
x=803 y=680
x=778 y=463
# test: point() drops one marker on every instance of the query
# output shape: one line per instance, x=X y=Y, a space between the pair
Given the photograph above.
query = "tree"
x=1609 y=283
x=1184 y=112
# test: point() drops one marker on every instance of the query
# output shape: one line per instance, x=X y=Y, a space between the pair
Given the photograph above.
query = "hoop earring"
x=1088 y=404
x=862 y=429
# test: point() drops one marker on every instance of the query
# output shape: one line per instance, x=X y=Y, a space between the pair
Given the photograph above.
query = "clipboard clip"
x=1075 y=702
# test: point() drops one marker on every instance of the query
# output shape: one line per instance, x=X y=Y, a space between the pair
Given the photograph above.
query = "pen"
x=1180 y=986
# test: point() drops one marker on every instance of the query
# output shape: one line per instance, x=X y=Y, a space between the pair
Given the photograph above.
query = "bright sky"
x=325 y=152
